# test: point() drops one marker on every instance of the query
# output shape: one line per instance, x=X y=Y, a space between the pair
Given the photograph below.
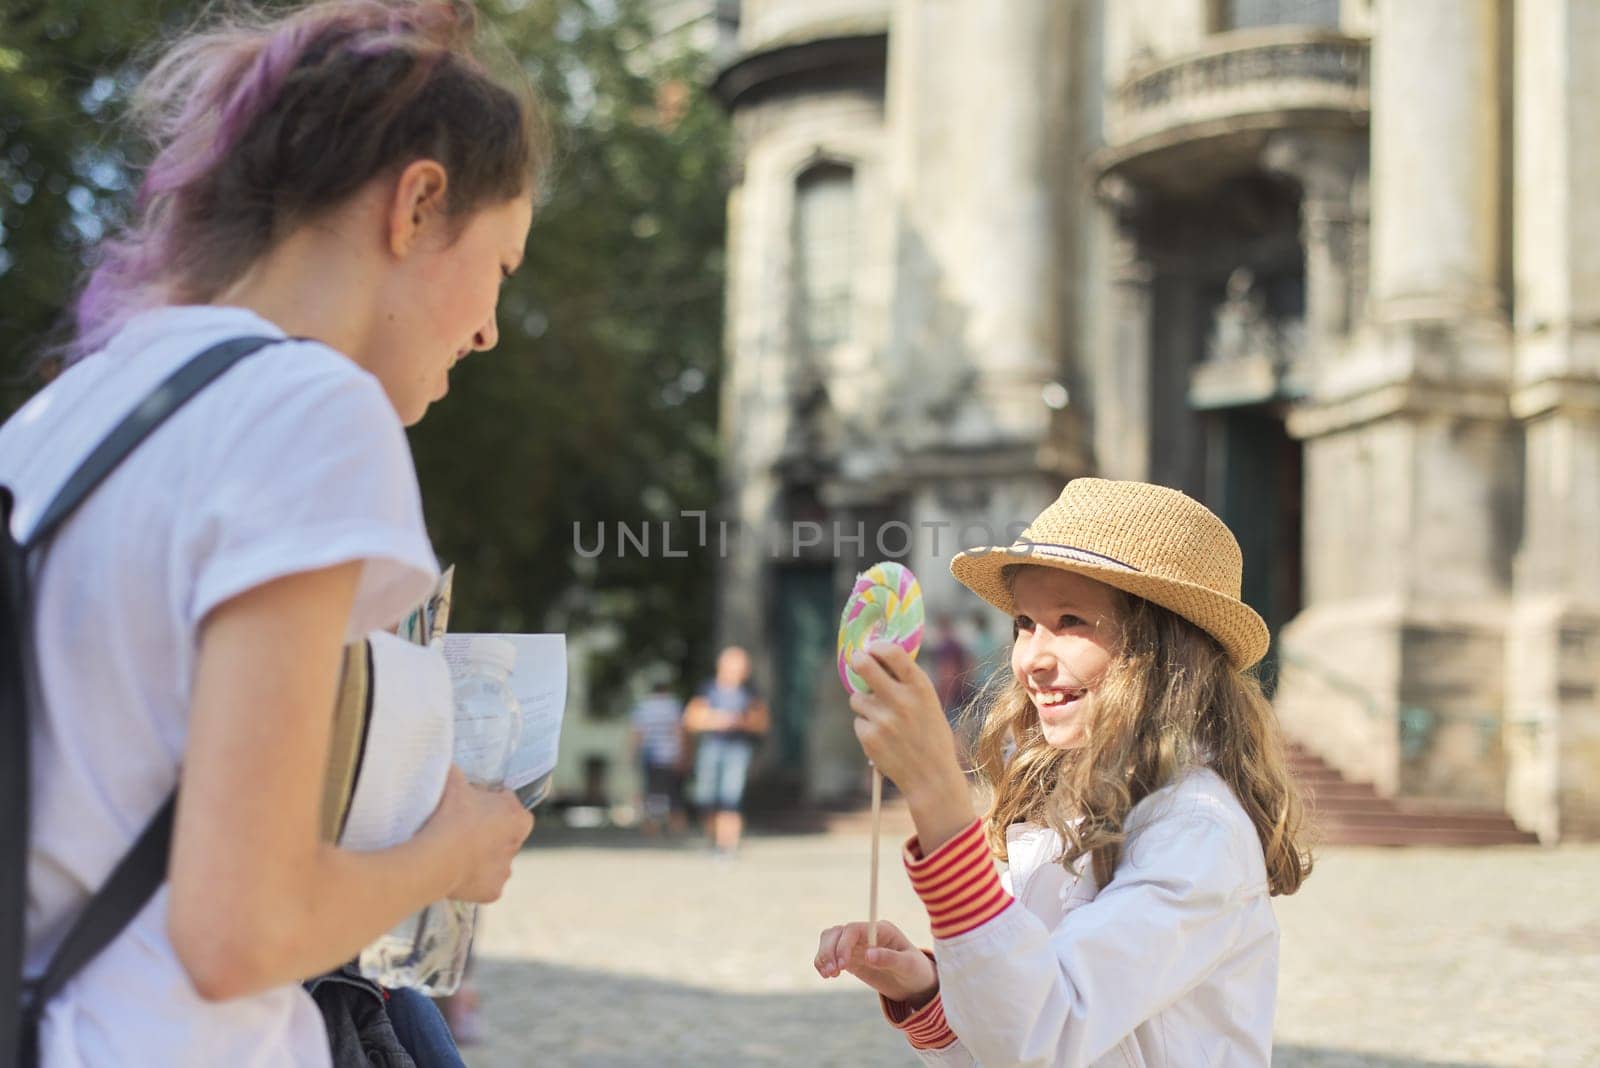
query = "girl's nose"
x=1035 y=654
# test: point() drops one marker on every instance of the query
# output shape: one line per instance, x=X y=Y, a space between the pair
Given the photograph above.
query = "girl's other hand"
x=488 y=827
x=894 y=968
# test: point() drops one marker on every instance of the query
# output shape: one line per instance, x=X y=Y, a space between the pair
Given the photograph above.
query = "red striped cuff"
x=925 y=1026
x=957 y=882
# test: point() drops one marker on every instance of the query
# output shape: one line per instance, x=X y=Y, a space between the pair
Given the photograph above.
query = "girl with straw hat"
x=1137 y=789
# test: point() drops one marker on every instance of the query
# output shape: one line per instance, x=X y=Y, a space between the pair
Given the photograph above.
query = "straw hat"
x=1150 y=541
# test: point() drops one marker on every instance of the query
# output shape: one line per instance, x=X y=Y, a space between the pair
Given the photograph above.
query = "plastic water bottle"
x=428 y=951
x=488 y=720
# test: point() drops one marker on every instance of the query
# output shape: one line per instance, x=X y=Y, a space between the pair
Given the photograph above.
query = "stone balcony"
x=768 y=24
x=1232 y=95
x=825 y=51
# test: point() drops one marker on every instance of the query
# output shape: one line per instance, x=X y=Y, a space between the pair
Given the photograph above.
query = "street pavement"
x=612 y=950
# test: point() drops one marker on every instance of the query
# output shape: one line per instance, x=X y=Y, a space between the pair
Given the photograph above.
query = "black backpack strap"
x=165 y=399
x=143 y=868
x=133 y=882
x=16 y=688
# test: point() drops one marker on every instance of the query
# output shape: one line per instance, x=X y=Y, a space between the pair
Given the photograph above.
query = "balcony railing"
x=1256 y=78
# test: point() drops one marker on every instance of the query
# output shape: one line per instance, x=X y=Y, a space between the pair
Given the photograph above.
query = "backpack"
x=143 y=868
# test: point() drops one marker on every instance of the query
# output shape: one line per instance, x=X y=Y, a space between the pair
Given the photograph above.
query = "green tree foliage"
x=599 y=405
x=65 y=69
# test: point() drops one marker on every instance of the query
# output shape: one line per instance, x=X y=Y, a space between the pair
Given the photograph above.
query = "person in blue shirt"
x=728 y=718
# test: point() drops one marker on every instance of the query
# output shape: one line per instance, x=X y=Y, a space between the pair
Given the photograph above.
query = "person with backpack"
x=332 y=202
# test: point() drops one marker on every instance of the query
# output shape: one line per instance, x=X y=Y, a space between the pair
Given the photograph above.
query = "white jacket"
x=1172 y=963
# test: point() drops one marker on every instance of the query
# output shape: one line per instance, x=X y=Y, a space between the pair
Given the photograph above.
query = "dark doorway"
x=1253 y=481
x=805 y=631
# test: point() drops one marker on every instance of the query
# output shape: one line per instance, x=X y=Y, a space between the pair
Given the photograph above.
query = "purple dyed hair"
x=259 y=124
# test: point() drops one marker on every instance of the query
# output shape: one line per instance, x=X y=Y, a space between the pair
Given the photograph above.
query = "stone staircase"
x=1352 y=813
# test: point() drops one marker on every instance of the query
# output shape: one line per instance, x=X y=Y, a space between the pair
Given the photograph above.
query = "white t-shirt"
x=292 y=461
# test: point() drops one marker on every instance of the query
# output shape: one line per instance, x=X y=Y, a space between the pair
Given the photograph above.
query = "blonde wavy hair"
x=1169 y=701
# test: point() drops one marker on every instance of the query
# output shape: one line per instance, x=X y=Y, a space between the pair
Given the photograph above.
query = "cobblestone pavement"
x=612 y=951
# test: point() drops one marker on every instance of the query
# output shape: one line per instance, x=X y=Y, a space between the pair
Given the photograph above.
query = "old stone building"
x=1330 y=266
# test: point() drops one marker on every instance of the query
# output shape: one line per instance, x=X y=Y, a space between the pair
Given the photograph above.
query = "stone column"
x=979 y=103
x=1553 y=712
x=1437 y=165
x=1394 y=666
x=1438 y=177
x=978 y=93
x=1122 y=371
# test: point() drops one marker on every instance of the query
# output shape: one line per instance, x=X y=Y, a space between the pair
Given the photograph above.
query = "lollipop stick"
x=885 y=602
x=877 y=819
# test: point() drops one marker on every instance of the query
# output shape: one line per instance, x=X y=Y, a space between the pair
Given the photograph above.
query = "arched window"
x=1244 y=14
x=824 y=254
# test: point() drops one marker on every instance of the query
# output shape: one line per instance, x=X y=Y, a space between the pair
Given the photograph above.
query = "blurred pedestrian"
x=989 y=651
x=728 y=719
x=952 y=672
x=952 y=667
x=656 y=730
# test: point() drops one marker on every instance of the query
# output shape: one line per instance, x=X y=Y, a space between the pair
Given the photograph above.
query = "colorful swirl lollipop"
x=886 y=602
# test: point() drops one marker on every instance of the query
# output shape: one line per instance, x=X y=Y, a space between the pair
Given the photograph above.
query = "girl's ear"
x=416 y=205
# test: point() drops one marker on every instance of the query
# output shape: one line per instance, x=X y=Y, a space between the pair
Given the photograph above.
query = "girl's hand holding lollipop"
x=903 y=730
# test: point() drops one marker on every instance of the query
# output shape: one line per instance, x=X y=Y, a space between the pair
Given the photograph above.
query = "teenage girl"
x=350 y=178
x=1139 y=796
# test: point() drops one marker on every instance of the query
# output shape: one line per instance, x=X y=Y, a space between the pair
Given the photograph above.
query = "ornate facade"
x=1319 y=263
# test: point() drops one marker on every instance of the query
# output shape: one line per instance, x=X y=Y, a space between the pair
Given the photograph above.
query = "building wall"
x=1076 y=262
x=779 y=140
x=1552 y=715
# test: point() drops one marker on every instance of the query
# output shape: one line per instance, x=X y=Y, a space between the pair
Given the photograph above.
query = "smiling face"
x=1066 y=635
x=441 y=306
